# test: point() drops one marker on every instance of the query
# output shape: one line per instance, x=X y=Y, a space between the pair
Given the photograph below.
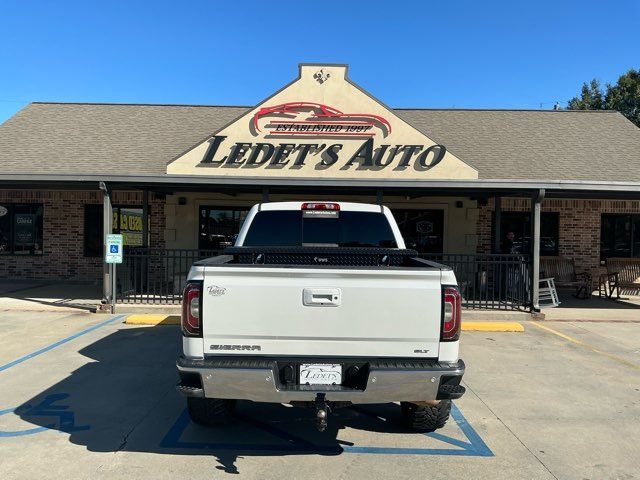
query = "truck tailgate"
x=385 y=312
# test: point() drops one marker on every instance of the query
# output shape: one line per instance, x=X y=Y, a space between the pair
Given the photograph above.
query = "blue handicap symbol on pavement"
x=113 y=248
x=65 y=419
x=473 y=446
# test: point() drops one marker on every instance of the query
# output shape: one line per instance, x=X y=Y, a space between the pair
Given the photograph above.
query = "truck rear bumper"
x=257 y=380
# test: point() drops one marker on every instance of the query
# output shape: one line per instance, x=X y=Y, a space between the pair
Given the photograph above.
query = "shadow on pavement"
x=596 y=303
x=81 y=296
x=125 y=399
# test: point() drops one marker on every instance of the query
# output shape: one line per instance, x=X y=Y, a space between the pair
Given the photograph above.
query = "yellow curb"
x=164 y=319
x=152 y=319
x=492 y=327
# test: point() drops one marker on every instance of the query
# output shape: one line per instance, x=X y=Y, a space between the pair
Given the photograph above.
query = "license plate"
x=320 y=374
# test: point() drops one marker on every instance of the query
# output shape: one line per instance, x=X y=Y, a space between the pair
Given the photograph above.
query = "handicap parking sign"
x=114 y=249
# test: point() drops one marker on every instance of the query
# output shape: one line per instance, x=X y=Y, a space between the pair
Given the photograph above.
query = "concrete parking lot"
x=85 y=396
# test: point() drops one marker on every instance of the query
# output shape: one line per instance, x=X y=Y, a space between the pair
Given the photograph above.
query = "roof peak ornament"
x=321 y=76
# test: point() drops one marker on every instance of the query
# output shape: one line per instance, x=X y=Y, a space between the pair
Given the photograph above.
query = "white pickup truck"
x=321 y=305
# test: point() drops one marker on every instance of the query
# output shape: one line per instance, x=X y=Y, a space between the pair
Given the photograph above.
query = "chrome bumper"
x=257 y=380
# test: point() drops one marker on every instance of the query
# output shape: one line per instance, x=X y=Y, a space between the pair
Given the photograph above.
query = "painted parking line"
x=59 y=343
x=50 y=408
x=474 y=446
x=587 y=346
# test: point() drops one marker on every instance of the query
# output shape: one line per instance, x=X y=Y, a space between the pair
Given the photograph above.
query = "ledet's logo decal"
x=216 y=291
x=315 y=120
x=321 y=374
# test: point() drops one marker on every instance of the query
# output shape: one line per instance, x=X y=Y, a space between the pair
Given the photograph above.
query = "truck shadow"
x=124 y=399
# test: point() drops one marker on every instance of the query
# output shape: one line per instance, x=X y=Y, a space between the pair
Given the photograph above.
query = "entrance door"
x=422 y=230
x=219 y=226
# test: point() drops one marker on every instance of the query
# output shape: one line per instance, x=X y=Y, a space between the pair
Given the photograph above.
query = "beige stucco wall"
x=460 y=233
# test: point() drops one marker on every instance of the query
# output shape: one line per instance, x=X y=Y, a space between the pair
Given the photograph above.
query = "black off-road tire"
x=210 y=411
x=426 y=419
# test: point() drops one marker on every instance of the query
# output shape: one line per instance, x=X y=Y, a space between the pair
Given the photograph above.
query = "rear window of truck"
x=289 y=228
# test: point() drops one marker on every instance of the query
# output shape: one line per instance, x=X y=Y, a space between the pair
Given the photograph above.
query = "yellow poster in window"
x=130 y=223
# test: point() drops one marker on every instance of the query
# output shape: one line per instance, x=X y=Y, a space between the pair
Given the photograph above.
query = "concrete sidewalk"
x=41 y=296
x=49 y=296
x=595 y=309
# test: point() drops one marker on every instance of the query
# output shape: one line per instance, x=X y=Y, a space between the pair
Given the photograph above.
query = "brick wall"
x=63 y=234
x=579 y=225
x=63 y=230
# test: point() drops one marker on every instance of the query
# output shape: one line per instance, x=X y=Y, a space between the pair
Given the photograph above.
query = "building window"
x=93 y=230
x=126 y=221
x=515 y=228
x=219 y=226
x=422 y=230
x=619 y=236
x=21 y=229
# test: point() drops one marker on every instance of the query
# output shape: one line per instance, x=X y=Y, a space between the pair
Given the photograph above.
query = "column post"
x=536 y=207
x=107 y=227
x=145 y=218
x=379 y=196
x=497 y=224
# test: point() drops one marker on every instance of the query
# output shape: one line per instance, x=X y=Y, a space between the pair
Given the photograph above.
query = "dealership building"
x=505 y=197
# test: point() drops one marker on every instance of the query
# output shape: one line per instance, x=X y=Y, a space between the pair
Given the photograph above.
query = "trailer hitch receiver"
x=322 y=412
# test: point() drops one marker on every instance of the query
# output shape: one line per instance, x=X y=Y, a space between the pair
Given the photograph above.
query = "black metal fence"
x=490 y=281
x=157 y=275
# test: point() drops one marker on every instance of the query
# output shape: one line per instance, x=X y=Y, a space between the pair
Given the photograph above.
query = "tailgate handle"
x=321 y=297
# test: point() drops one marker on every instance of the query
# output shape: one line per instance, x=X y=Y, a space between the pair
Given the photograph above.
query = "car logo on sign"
x=216 y=291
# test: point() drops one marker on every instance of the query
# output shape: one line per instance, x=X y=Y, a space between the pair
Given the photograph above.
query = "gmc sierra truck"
x=321 y=305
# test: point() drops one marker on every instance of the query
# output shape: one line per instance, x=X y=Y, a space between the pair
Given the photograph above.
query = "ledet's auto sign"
x=321 y=125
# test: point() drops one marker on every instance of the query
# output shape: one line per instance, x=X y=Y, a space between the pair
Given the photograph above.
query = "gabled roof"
x=130 y=139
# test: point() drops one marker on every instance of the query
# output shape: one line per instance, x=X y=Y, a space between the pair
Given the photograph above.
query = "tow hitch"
x=322 y=412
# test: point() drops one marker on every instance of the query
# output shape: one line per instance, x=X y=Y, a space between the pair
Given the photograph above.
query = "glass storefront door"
x=519 y=224
x=422 y=230
x=219 y=226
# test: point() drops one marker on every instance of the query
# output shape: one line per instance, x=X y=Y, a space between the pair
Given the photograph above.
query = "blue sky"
x=474 y=54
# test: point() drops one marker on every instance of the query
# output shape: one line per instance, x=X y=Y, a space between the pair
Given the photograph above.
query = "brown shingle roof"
x=537 y=144
x=141 y=139
x=103 y=138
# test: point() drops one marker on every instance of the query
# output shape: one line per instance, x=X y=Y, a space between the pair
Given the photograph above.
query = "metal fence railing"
x=156 y=275
x=487 y=281
x=490 y=281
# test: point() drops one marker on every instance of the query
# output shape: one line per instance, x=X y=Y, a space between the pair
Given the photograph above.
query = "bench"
x=563 y=271
x=623 y=275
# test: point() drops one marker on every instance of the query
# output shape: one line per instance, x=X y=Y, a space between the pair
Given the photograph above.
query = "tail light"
x=451 y=314
x=320 y=206
x=191 y=320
